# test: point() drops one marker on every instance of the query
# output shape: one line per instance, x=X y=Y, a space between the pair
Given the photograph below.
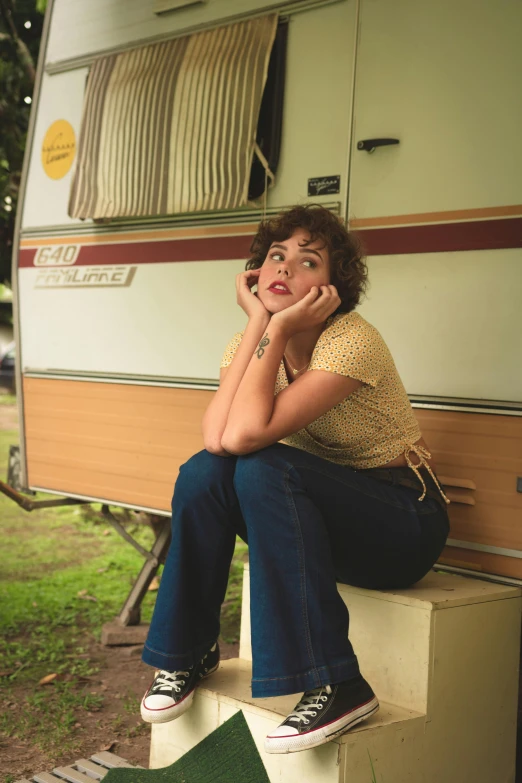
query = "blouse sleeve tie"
x=423 y=455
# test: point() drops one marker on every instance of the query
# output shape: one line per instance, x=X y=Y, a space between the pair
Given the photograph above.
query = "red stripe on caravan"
x=443 y=238
x=26 y=257
x=168 y=251
x=434 y=238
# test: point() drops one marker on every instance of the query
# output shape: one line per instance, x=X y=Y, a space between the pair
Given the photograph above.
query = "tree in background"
x=20 y=32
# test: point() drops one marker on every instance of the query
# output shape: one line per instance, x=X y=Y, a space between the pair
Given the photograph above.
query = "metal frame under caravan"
x=402 y=117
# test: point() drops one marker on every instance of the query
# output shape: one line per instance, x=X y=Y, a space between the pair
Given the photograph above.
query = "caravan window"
x=171 y=128
x=269 y=125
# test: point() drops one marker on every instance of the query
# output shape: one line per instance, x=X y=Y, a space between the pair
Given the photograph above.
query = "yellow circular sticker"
x=58 y=149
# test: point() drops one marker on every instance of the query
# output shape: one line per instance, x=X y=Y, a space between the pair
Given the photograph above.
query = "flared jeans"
x=309 y=523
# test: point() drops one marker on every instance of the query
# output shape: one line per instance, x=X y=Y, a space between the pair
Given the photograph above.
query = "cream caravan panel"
x=444 y=78
x=173 y=320
x=452 y=321
x=80 y=28
x=46 y=199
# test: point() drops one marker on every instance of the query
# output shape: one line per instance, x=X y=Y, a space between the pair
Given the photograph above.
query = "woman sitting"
x=314 y=457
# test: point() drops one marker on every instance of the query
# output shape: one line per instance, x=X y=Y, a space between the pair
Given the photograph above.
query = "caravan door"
x=441 y=215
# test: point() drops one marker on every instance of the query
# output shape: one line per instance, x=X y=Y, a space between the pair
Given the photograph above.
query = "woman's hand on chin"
x=312 y=310
x=248 y=301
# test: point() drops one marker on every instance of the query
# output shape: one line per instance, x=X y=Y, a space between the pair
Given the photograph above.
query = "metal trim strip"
x=469 y=409
x=206 y=384
x=235 y=217
x=104 y=501
x=493 y=550
x=508 y=580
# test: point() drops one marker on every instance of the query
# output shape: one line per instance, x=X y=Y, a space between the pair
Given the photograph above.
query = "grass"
x=231 y=611
x=64 y=574
x=49 y=717
x=374 y=779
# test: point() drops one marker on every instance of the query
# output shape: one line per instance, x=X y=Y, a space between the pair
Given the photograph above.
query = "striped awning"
x=171 y=127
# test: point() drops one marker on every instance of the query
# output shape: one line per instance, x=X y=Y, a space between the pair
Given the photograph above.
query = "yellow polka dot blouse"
x=371 y=426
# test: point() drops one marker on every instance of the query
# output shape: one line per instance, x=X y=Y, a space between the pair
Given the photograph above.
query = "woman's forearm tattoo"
x=264 y=342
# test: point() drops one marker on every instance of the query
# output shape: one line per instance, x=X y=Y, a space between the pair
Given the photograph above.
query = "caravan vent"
x=455 y=489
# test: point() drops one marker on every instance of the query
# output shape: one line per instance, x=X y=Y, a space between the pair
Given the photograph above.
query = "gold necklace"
x=295 y=372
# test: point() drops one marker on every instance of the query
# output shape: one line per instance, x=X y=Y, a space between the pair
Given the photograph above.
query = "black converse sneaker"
x=323 y=714
x=171 y=693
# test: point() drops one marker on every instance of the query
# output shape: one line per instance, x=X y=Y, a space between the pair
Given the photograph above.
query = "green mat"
x=228 y=755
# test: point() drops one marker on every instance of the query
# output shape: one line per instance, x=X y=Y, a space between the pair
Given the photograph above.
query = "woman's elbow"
x=238 y=443
x=216 y=448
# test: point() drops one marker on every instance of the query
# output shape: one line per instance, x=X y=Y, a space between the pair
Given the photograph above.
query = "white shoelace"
x=311 y=701
x=167 y=680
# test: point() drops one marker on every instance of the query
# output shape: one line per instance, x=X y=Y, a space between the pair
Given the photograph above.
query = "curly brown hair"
x=348 y=270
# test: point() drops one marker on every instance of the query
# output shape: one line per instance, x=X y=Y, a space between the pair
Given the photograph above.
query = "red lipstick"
x=278 y=287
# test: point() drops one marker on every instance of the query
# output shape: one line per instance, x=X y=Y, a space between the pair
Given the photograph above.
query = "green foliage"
x=374 y=779
x=44 y=619
x=231 y=610
x=18 y=53
x=64 y=574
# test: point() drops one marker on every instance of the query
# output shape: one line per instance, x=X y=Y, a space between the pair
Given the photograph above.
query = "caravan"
x=162 y=132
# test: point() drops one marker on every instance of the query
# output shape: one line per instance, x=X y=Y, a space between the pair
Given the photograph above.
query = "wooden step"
x=392 y=630
x=442 y=658
x=228 y=690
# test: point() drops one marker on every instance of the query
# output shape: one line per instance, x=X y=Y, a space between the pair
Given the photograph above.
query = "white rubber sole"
x=167 y=714
x=296 y=742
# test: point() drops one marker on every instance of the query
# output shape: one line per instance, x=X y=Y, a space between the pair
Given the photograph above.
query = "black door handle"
x=370 y=145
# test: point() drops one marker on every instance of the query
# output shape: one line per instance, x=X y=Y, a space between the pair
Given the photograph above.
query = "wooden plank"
x=84 y=770
x=46 y=777
x=72 y=775
x=91 y=769
x=111 y=760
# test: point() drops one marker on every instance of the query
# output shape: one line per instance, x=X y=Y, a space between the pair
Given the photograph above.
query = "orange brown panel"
x=125 y=444
x=479 y=457
x=111 y=441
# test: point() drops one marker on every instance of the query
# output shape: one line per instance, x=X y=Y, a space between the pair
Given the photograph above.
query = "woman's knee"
x=203 y=472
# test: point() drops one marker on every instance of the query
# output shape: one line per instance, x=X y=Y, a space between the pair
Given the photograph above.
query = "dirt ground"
x=117 y=726
x=8 y=416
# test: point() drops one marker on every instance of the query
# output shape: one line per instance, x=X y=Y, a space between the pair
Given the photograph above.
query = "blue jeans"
x=308 y=523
